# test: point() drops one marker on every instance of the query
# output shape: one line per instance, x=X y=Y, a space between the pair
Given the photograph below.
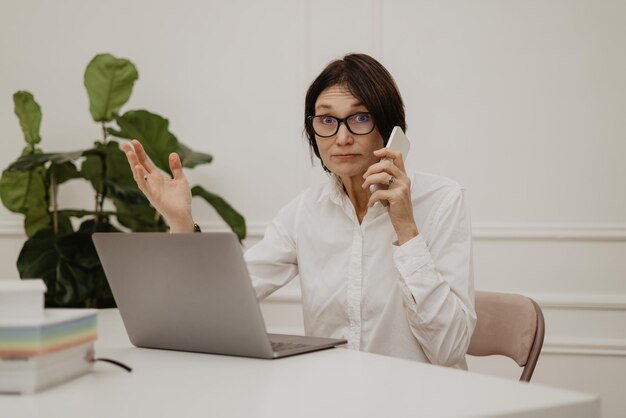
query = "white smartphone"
x=397 y=142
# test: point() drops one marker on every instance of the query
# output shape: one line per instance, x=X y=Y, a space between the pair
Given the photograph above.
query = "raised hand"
x=390 y=172
x=171 y=197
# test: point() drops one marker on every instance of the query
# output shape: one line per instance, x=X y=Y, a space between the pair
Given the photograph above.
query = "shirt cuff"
x=411 y=256
x=415 y=264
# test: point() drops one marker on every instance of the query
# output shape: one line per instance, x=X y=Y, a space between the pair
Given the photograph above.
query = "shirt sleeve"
x=437 y=282
x=272 y=263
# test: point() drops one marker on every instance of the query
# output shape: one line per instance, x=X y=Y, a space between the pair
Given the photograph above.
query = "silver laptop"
x=191 y=292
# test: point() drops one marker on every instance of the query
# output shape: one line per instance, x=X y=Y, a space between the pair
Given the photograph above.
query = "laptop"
x=191 y=292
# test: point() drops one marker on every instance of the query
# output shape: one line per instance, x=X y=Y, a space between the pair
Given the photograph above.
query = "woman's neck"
x=357 y=195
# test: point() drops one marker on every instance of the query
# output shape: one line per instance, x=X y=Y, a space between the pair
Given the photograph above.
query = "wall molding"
x=551 y=346
x=550 y=232
x=12 y=230
x=518 y=232
x=481 y=232
x=509 y=232
x=612 y=347
x=564 y=301
x=552 y=301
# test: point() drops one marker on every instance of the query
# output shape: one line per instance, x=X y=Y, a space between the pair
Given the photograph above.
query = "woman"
x=392 y=278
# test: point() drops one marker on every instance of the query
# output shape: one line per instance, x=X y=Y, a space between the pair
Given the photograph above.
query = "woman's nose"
x=344 y=137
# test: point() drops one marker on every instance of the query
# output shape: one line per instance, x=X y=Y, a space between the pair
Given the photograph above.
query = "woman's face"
x=345 y=154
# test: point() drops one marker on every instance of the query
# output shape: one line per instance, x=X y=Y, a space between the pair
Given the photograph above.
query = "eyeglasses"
x=326 y=126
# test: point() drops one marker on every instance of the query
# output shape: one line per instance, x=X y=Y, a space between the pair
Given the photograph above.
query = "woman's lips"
x=345 y=156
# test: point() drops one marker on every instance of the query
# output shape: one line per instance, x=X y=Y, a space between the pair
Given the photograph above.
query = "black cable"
x=115 y=362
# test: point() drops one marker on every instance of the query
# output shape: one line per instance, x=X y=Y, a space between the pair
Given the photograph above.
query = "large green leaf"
x=77 y=248
x=102 y=291
x=38 y=260
x=73 y=285
x=81 y=213
x=119 y=180
x=22 y=190
x=128 y=194
x=30 y=161
x=36 y=219
x=138 y=218
x=40 y=218
x=65 y=221
x=191 y=158
x=117 y=169
x=90 y=226
x=153 y=133
x=63 y=172
x=69 y=266
x=91 y=169
x=234 y=220
x=29 y=114
x=109 y=82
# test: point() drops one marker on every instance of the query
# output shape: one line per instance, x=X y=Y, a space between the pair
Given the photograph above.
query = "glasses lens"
x=325 y=125
x=361 y=123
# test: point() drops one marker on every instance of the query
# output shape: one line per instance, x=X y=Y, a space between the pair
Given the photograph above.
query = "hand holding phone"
x=397 y=142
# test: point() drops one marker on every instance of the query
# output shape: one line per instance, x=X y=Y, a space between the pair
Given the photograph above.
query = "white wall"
x=522 y=101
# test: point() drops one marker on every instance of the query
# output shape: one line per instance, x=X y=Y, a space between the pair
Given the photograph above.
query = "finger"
x=381 y=196
x=176 y=166
x=386 y=166
x=388 y=153
x=131 y=157
x=386 y=196
x=395 y=156
x=379 y=178
x=143 y=158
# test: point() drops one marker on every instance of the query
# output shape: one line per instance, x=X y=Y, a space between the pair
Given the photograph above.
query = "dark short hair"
x=369 y=82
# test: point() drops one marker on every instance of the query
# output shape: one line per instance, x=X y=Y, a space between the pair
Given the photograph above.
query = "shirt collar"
x=333 y=190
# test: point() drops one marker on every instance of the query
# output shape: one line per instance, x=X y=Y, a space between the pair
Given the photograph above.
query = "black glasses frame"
x=339 y=122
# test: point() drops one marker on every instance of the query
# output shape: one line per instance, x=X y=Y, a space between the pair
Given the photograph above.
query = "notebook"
x=191 y=292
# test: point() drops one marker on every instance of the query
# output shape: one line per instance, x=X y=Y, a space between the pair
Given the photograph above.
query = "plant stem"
x=103 y=191
x=105 y=135
x=55 y=203
x=101 y=194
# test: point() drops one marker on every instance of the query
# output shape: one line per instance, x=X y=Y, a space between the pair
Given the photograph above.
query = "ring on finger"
x=390 y=181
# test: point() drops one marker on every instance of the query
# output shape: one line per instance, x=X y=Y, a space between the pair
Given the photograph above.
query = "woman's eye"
x=362 y=118
x=327 y=120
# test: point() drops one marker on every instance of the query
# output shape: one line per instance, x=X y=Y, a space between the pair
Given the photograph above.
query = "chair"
x=510 y=325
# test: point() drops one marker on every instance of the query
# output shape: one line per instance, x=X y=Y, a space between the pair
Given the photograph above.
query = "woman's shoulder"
x=308 y=196
x=434 y=196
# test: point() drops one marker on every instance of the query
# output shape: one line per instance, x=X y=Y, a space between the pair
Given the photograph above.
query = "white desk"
x=336 y=382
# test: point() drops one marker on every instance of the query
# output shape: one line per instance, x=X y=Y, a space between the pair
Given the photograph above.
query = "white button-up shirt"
x=414 y=301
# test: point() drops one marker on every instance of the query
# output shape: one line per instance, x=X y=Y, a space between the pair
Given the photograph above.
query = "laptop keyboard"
x=278 y=346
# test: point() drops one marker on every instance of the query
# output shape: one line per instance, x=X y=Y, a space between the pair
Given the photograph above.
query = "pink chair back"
x=510 y=325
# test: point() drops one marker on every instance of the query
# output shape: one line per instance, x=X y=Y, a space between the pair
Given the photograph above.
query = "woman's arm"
x=273 y=262
x=437 y=282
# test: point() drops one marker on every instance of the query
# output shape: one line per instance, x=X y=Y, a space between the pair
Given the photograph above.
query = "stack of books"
x=40 y=347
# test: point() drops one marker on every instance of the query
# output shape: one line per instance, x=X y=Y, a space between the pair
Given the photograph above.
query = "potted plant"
x=59 y=248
